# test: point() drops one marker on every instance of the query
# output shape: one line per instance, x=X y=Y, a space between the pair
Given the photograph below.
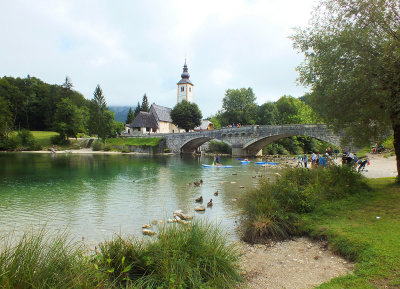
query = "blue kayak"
x=245 y=162
x=214 y=166
x=266 y=163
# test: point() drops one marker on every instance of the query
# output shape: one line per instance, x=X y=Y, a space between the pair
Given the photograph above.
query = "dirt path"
x=298 y=263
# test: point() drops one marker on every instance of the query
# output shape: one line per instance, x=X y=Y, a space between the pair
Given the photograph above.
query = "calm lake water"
x=94 y=196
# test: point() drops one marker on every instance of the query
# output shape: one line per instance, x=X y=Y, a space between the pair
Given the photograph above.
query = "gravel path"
x=298 y=263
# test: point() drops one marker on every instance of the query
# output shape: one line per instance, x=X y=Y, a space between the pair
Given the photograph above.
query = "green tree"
x=97 y=113
x=68 y=119
x=130 y=117
x=6 y=121
x=145 y=104
x=186 y=115
x=268 y=114
x=137 y=110
x=238 y=106
x=352 y=56
x=294 y=111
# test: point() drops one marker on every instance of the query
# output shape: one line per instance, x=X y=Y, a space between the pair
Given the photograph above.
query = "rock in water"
x=200 y=209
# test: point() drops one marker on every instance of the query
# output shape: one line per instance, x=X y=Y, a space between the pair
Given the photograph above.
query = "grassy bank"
x=365 y=229
x=360 y=219
x=180 y=256
x=142 y=141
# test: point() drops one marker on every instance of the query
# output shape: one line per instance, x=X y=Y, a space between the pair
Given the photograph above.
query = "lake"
x=97 y=195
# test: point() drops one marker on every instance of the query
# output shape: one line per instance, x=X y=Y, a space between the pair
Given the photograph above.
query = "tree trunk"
x=396 y=143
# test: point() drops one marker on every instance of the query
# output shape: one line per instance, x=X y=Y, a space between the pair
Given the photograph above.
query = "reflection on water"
x=94 y=196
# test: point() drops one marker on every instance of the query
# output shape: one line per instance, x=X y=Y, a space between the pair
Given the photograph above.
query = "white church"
x=158 y=119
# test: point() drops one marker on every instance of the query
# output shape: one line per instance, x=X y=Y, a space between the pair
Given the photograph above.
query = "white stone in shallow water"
x=200 y=208
x=148 y=232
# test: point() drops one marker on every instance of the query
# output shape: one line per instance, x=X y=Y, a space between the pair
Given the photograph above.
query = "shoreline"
x=380 y=166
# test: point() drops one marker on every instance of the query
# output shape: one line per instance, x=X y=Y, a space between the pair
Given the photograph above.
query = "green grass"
x=38 y=260
x=145 y=141
x=43 y=137
x=352 y=229
x=195 y=255
x=181 y=256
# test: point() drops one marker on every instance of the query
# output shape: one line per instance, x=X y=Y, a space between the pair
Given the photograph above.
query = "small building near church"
x=205 y=125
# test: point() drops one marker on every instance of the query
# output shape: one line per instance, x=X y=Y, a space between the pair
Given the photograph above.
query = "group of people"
x=316 y=160
x=349 y=158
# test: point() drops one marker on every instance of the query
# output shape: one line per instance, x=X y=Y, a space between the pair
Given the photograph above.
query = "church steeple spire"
x=185 y=86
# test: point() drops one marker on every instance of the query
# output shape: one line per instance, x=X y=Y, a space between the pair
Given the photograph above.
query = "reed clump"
x=190 y=256
x=274 y=210
x=180 y=256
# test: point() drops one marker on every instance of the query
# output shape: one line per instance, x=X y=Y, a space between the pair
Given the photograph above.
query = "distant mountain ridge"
x=121 y=112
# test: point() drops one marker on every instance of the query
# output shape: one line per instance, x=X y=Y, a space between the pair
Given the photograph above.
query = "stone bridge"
x=247 y=140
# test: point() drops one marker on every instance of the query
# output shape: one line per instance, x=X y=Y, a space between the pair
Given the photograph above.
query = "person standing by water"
x=305 y=159
x=299 y=162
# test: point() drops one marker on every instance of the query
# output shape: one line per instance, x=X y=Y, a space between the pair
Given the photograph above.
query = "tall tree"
x=352 y=56
x=145 y=104
x=6 y=121
x=97 y=110
x=137 y=110
x=186 y=115
x=130 y=117
x=238 y=106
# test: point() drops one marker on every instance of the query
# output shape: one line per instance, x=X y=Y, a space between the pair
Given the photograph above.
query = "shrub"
x=125 y=149
x=97 y=146
x=191 y=256
x=26 y=137
x=274 y=210
x=107 y=148
x=59 y=140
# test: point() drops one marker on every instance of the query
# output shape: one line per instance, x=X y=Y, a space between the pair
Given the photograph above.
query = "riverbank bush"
x=191 y=256
x=274 y=210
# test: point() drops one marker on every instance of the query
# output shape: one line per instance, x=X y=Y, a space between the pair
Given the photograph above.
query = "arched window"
x=182 y=88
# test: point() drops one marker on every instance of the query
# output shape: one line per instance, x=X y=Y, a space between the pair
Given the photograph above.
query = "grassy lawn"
x=43 y=137
x=145 y=141
x=365 y=229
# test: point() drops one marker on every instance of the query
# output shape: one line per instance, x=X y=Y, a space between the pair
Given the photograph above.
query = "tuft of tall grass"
x=192 y=256
x=274 y=210
x=36 y=261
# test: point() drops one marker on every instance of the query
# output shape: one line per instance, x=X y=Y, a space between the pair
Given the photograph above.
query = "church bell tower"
x=185 y=86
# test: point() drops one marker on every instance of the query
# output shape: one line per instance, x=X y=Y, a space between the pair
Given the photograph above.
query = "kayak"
x=214 y=166
x=266 y=163
x=245 y=162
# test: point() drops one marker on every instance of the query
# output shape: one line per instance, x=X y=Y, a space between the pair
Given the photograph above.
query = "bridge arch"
x=254 y=146
x=191 y=145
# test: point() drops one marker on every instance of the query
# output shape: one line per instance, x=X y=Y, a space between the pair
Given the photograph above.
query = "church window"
x=182 y=88
x=190 y=89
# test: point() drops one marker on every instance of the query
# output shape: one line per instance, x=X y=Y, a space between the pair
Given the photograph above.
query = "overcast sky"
x=136 y=47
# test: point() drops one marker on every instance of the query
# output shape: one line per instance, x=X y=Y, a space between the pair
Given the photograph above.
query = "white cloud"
x=136 y=47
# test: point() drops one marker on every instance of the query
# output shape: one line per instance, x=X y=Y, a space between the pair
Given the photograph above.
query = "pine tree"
x=130 y=117
x=145 y=104
x=137 y=110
